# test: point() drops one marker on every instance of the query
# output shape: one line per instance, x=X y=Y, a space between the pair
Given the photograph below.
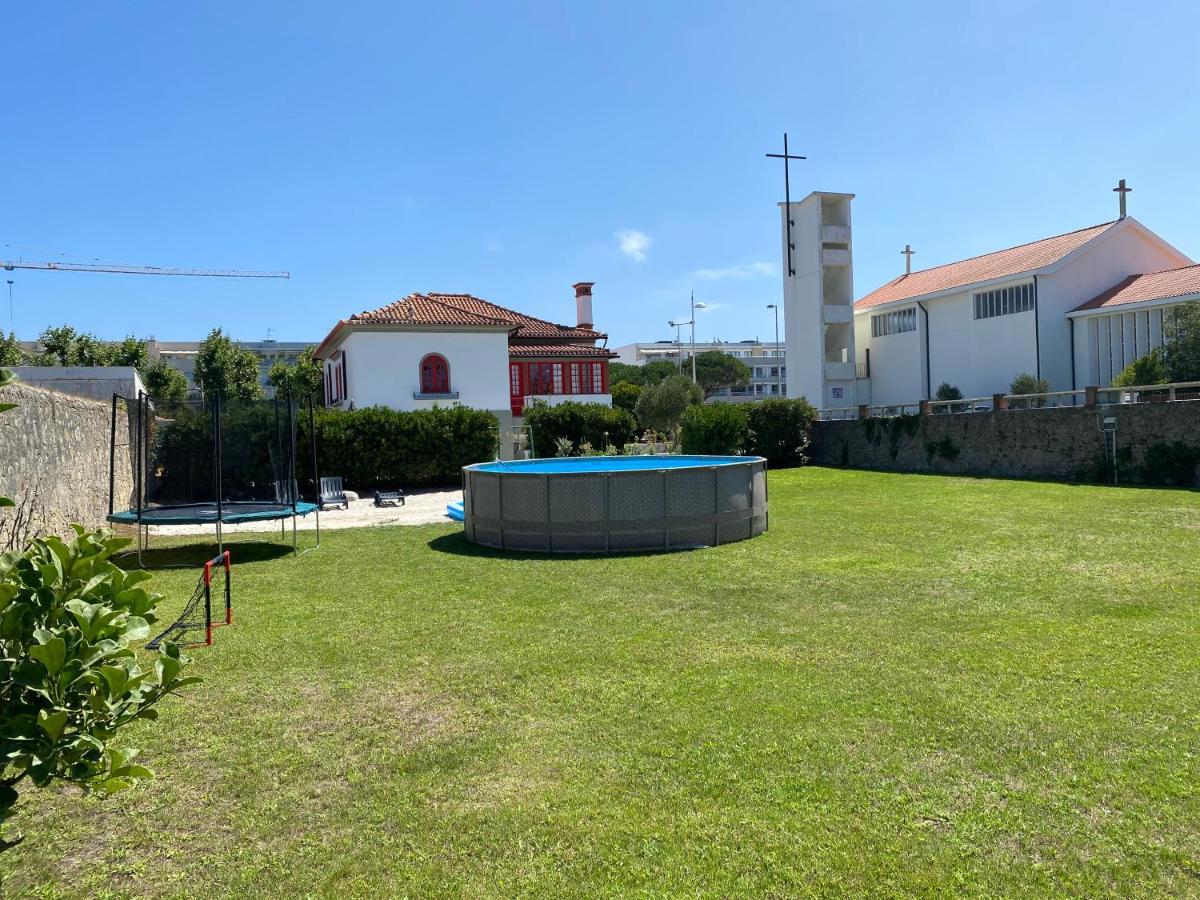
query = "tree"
x=1181 y=333
x=226 y=369
x=69 y=676
x=1028 y=384
x=947 y=391
x=650 y=373
x=300 y=380
x=625 y=395
x=716 y=370
x=128 y=352
x=165 y=384
x=11 y=353
x=661 y=406
x=64 y=346
x=1148 y=369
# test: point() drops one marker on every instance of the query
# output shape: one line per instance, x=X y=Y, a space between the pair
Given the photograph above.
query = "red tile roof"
x=1180 y=282
x=551 y=351
x=1000 y=264
x=463 y=309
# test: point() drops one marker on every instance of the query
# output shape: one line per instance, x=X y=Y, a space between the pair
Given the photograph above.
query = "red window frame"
x=435 y=374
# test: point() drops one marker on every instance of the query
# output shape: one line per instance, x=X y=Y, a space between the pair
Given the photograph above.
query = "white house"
x=428 y=349
x=1074 y=309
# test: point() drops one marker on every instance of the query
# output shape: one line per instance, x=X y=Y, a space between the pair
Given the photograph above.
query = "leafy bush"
x=642 y=376
x=165 y=385
x=661 y=406
x=717 y=428
x=625 y=396
x=1181 y=334
x=69 y=676
x=947 y=391
x=1029 y=384
x=377 y=447
x=579 y=423
x=779 y=429
x=1148 y=369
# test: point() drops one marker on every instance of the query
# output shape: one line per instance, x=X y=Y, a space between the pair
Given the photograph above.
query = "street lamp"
x=778 y=368
x=678 y=324
x=695 y=306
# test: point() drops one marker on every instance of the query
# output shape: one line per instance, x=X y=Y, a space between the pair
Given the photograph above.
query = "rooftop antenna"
x=1121 y=190
x=907 y=253
x=787 y=196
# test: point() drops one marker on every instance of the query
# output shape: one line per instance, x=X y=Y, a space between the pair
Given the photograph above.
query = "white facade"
x=818 y=299
x=383 y=368
x=938 y=337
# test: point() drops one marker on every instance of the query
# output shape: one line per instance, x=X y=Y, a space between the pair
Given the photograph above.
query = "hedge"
x=370 y=448
x=580 y=423
x=715 y=428
x=779 y=429
x=377 y=447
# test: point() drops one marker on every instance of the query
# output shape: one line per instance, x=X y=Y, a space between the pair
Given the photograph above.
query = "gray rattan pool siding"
x=642 y=509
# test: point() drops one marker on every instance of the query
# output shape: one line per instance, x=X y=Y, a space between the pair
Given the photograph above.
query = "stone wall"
x=1156 y=442
x=54 y=463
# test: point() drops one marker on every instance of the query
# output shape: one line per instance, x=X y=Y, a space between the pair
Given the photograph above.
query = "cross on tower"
x=1121 y=191
x=787 y=197
x=907 y=253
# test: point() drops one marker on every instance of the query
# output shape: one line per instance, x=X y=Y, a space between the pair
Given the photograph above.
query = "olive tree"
x=661 y=406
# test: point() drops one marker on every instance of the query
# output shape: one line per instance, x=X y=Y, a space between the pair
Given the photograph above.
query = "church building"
x=429 y=349
x=1073 y=309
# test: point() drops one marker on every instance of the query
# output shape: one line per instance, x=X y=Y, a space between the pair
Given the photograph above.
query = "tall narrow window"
x=435 y=374
x=514 y=378
x=576 y=383
x=558 y=381
x=597 y=380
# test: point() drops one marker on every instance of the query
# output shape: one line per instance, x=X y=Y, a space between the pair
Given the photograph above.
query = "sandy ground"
x=421 y=508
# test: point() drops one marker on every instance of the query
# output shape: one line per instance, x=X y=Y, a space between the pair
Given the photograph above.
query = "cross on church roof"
x=907 y=253
x=787 y=197
x=1121 y=190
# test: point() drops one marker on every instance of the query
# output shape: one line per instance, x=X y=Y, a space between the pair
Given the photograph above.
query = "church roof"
x=436 y=310
x=999 y=264
x=1165 y=285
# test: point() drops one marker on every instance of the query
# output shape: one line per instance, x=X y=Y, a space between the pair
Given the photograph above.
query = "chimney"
x=583 y=304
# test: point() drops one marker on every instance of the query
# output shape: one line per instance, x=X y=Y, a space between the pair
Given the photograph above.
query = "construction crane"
x=10 y=265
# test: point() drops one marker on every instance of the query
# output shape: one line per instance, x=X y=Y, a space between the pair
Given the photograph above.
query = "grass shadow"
x=458 y=545
x=189 y=556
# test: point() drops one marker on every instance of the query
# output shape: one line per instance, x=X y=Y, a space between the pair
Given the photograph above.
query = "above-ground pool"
x=611 y=503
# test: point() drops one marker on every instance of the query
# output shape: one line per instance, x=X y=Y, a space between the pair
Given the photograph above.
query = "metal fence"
x=1090 y=397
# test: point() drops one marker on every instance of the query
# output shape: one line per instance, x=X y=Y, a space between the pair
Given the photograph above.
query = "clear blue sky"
x=377 y=149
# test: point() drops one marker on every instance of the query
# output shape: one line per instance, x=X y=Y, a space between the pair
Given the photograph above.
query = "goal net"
x=194 y=627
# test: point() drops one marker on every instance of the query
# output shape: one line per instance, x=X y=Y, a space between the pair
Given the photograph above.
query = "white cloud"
x=741 y=271
x=633 y=243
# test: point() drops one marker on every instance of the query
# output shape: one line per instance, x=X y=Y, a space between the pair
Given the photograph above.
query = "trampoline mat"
x=206 y=513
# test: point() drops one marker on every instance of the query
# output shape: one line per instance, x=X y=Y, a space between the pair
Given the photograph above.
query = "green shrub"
x=779 y=430
x=70 y=678
x=377 y=447
x=580 y=423
x=1148 y=369
x=1028 y=384
x=625 y=396
x=947 y=391
x=717 y=428
x=1171 y=463
x=661 y=406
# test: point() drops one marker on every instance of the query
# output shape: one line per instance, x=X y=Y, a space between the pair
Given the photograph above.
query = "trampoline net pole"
x=112 y=455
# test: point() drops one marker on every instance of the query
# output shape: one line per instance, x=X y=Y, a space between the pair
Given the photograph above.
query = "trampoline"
x=211 y=463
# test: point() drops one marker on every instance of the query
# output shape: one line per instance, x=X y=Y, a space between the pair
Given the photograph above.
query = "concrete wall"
x=383 y=368
x=94 y=382
x=1061 y=444
x=54 y=463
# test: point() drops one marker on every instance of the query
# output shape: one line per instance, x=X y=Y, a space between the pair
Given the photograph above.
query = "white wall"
x=1122 y=251
x=383 y=367
x=980 y=357
x=897 y=363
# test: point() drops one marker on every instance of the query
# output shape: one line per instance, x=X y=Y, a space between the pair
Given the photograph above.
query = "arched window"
x=435 y=374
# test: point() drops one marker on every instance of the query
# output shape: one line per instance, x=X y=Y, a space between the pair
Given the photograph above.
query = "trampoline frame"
x=143 y=517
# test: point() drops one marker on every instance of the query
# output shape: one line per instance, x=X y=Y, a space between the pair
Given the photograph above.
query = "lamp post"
x=677 y=324
x=778 y=368
x=695 y=306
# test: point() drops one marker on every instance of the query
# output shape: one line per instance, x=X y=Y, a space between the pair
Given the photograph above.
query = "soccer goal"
x=198 y=614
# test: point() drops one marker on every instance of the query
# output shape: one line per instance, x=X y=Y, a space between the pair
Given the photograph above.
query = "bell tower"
x=818 y=299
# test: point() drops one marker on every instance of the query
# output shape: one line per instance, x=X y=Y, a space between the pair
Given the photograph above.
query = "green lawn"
x=909 y=685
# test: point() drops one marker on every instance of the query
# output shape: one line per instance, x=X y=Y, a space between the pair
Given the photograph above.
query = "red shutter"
x=345 y=390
